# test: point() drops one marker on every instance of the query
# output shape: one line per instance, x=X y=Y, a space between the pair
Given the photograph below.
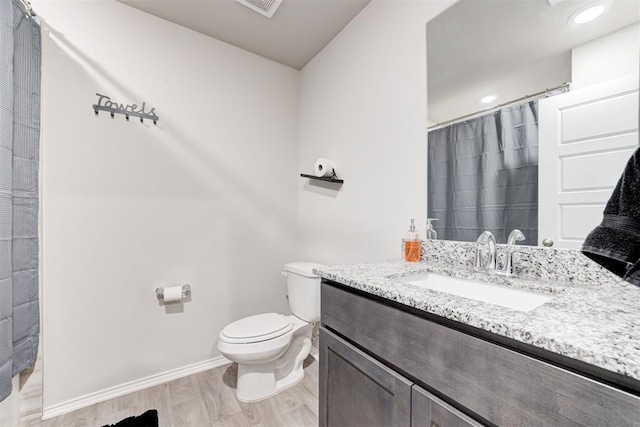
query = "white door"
x=586 y=138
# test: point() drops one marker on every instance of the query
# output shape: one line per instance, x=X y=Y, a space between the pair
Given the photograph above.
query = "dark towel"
x=615 y=243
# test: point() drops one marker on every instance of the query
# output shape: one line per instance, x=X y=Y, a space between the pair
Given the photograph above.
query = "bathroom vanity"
x=396 y=354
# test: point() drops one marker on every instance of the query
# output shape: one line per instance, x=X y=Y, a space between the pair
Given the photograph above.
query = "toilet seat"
x=252 y=329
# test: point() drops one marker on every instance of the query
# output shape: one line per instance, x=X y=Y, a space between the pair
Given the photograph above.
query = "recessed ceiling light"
x=487 y=99
x=589 y=13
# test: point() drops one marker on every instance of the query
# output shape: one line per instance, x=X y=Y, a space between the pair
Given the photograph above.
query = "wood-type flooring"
x=205 y=399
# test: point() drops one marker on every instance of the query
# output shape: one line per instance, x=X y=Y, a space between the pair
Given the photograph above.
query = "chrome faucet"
x=486 y=238
x=507 y=268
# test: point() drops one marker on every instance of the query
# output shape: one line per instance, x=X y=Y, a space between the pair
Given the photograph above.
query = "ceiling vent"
x=263 y=7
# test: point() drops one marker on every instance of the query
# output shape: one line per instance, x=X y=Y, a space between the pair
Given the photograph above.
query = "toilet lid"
x=260 y=327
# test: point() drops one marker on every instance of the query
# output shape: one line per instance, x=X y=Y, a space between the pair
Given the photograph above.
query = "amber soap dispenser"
x=412 y=244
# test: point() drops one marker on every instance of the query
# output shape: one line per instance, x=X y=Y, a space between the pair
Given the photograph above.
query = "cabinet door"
x=429 y=411
x=357 y=390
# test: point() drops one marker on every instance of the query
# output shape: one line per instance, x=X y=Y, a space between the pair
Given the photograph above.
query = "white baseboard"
x=126 y=388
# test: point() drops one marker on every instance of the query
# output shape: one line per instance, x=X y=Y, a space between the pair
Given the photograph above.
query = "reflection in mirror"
x=532 y=116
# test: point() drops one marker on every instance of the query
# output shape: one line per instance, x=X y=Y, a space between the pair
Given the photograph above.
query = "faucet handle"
x=520 y=251
x=507 y=269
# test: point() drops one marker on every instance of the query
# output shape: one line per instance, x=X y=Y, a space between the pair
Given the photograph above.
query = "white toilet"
x=270 y=348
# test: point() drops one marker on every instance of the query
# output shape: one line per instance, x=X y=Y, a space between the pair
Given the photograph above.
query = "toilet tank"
x=304 y=290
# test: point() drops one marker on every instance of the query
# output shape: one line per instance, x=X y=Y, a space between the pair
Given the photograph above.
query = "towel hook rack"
x=106 y=104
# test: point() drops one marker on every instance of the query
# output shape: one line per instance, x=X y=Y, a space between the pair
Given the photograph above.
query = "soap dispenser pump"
x=431 y=233
x=412 y=244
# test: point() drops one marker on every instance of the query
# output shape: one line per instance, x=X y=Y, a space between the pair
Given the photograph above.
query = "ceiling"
x=298 y=30
x=507 y=48
x=510 y=48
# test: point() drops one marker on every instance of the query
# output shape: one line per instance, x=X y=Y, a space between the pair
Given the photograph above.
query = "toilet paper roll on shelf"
x=173 y=293
x=325 y=168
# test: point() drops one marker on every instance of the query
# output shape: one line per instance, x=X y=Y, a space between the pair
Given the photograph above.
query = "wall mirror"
x=485 y=56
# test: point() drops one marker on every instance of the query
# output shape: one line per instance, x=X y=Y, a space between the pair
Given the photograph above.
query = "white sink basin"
x=517 y=299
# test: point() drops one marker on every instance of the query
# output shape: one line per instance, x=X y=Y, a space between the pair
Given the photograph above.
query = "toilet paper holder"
x=186 y=290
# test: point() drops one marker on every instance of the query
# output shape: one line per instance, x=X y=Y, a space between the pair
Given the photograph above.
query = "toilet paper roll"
x=324 y=167
x=173 y=294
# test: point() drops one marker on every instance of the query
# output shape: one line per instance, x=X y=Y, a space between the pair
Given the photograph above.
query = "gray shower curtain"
x=19 y=147
x=483 y=175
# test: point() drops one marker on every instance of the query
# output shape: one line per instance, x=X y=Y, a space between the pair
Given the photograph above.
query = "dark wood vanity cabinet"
x=383 y=366
x=429 y=411
x=357 y=390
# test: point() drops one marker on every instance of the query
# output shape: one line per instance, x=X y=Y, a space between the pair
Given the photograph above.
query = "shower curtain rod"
x=563 y=86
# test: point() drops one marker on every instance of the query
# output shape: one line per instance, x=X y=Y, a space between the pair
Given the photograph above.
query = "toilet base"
x=255 y=382
x=259 y=381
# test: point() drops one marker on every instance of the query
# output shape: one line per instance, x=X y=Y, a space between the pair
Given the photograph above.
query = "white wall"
x=207 y=197
x=610 y=57
x=363 y=104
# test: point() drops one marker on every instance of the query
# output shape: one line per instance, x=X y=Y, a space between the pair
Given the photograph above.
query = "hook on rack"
x=127 y=117
x=112 y=115
x=95 y=110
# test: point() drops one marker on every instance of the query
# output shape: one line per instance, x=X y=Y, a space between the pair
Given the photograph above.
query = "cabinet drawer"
x=504 y=387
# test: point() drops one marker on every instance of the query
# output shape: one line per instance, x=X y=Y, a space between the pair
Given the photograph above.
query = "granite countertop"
x=597 y=323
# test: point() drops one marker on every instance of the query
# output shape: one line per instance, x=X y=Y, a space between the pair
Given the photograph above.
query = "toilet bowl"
x=270 y=348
